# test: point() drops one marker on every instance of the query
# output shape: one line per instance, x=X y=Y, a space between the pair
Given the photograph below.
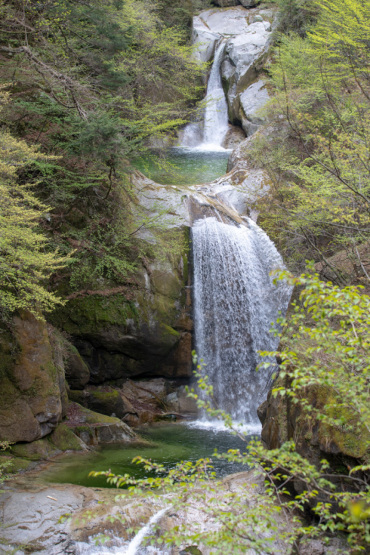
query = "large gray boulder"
x=244 y=57
x=252 y=100
x=211 y=25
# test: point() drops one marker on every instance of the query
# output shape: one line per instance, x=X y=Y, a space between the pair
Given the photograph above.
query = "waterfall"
x=235 y=302
x=215 y=117
x=215 y=124
x=133 y=548
x=135 y=543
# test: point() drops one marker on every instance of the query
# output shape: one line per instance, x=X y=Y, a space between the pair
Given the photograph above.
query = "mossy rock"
x=87 y=416
x=166 y=284
x=14 y=464
x=65 y=440
x=39 y=450
x=94 y=312
x=106 y=402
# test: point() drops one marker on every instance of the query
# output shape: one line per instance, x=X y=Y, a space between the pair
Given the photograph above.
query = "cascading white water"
x=215 y=124
x=235 y=303
x=215 y=117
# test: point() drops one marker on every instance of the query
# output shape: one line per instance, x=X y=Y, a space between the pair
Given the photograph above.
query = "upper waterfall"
x=215 y=123
x=235 y=303
x=215 y=117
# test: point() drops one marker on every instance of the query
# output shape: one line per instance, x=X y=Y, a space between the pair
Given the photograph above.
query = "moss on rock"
x=65 y=440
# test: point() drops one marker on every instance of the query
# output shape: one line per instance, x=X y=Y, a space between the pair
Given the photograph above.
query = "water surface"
x=185 y=166
x=170 y=444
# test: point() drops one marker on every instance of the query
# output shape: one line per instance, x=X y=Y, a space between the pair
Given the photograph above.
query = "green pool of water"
x=184 y=166
x=170 y=444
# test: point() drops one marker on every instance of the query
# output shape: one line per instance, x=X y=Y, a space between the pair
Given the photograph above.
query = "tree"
x=25 y=261
x=317 y=150
x=93 y=83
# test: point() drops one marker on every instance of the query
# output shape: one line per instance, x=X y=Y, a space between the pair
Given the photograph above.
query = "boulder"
x=233 y=137
x=60 y=440
x=249 y=3
x=105 y=400
x=209 y=26
x=252 y=100
x=226 y=3
x=94 y=429
x=77 y=371
x=32 y=384
x=244 y=57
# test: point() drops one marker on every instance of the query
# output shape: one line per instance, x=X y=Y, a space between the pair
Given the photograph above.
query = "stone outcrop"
x=94 y=429
x=32 y=383
x=106 y=401
x=315 y=440
x=247 y=33
x=252 y=100
x=34 y=515
x=144 y=329
x=236 y=192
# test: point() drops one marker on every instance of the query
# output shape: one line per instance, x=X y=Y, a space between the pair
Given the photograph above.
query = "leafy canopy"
x=317 y=150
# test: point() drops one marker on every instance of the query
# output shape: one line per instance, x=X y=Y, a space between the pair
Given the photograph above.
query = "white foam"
x=219 y=426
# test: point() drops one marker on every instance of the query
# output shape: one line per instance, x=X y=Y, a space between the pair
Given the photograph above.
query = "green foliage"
x=5 y=463
x=93 y=83
x=325 y=344
x=295 y=15
x=316 y=152
x=25 y=261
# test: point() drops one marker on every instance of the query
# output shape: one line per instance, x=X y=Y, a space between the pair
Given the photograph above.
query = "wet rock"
x=179 y=402
x=32 y=384
x=235 y=193
x=155 y=399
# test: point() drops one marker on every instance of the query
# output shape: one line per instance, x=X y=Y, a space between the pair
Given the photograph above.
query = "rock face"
x=247 y=33
x=283 y=420
x=32 y=385
x=145 y=330
x=33 y=517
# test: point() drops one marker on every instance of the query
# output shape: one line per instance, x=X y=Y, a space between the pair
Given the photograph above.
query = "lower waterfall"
x=235 y=303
